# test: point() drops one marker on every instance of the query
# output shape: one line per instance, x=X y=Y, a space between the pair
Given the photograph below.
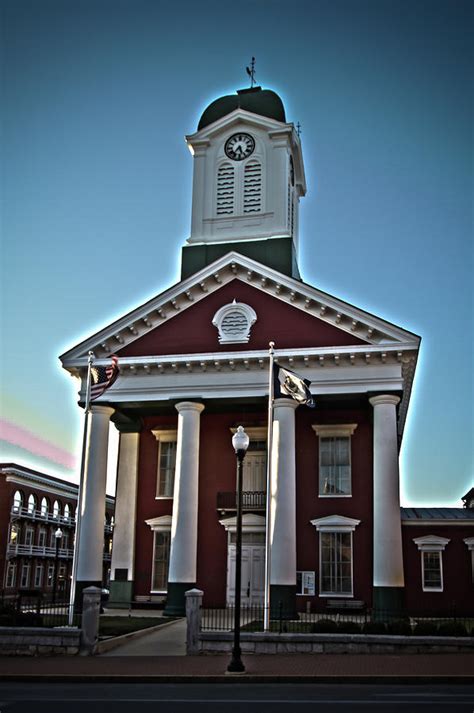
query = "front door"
x=253 y=569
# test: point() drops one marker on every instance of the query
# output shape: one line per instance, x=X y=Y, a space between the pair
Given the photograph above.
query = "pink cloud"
x=19 y=436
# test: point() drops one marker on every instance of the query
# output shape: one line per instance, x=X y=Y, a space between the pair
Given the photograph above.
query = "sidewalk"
x=159 y=656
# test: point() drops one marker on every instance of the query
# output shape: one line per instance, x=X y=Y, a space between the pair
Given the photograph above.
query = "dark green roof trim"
x=260 y=101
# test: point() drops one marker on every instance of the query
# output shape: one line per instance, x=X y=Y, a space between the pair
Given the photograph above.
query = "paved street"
x=233 y=697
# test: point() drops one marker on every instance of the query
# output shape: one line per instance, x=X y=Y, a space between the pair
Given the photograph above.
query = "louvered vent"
x=252 y=187
x=225 y=189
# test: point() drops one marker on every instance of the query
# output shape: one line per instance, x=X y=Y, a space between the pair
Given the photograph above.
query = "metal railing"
x=251 y=500
x=41 y=516
x=365 y=622
x=37 y=551
x=35 y=610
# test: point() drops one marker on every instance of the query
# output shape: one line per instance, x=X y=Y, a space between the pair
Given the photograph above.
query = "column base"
x=388 y=602
x=120 y=596
x=175 y=600
x=283 y=601
x=80 y=586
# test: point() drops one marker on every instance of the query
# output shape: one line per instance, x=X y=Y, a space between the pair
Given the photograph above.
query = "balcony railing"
x=49 y=517
x=42 y=516
x=37 y=551
x=251 y=500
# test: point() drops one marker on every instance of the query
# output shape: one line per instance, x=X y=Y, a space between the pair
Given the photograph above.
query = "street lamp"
x=240 y=441
x=58 y=535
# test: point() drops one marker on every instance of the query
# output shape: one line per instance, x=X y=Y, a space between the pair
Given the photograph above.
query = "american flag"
x=102 y=377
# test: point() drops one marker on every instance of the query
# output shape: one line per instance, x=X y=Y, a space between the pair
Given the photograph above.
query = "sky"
x=97 y=96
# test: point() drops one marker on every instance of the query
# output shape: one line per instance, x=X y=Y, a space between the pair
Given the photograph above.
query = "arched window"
x=56 y=509
x=31 y=503
x=44 y=506
x=67 y=511
x=17 y=501
x=252 y=187
x=225 y=189
x=233 y=322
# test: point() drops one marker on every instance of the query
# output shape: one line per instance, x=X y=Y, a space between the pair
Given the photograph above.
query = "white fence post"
x=193 y=620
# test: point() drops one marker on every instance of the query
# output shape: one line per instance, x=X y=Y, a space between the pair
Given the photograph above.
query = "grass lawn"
x=118 y=625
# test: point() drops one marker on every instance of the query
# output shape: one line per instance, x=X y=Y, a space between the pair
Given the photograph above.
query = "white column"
x=91 y=542
x=183 y=551
x=123 y=552
x=388 y=557
x=283 y=495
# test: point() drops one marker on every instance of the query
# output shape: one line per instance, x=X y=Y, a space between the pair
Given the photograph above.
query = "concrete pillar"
x=283 y=509
x=388 y=579
x=92 y=506
x=183 y=551
x=123 y=551
x=90 y=620
x=193 y=620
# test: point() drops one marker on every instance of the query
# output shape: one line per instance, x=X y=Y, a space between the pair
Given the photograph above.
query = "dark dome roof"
x=257 y=100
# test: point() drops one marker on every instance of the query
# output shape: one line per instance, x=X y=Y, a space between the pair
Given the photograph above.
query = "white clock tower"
x=248 y=180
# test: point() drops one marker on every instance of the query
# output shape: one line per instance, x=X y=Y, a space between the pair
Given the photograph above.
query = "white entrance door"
x=253 y=573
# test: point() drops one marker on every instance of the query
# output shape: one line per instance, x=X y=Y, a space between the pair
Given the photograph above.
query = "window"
x=431 y=548
x=305 y=583
x=38 y=575
x=67 y=512
x=14 y=534
x=335 y=555
x=469 y=541
x=161 y=528
x=17 y=501
x=49 y=582
x=29 y=533
x=44 y=506
x=42 y=537
x=161 y=561
x=56 y=509
x=335 y=478
x=31 y=504
x=25 y=575
x=166 y=462
x=10 y=577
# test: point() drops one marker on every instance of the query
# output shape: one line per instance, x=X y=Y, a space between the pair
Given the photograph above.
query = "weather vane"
x=251 y=72
x=298 y=128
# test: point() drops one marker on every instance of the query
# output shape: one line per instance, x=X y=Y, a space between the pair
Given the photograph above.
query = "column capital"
x=289 y=403
x=189 y=406
x=102 y=410
x=385 y=399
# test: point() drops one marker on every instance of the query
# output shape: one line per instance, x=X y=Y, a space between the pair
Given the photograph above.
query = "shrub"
x=426 y=628
x=374 y=627
x=400 y=627
x=324 y=626
x=452 y=628
x=348 y=627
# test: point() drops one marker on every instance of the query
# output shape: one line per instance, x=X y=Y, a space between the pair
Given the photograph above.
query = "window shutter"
x=252 y=187
x=225 y=189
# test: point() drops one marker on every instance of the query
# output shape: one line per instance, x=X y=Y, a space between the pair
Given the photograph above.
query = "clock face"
x=239 y=146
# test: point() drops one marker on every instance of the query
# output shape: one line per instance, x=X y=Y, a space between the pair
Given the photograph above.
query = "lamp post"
x=240 y=441
x=58 y=536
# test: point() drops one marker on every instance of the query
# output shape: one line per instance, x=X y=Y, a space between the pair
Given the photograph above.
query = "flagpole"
x=72 y=595
x=266 y=609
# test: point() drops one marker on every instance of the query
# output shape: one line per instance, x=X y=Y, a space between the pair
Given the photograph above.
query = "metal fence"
x=34 y=610
x=364 y=622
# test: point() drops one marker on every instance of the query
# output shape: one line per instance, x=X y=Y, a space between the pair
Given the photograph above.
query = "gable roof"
x=372 y=342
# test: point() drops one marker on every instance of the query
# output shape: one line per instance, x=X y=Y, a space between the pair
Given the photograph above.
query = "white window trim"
x=255 y=433
x=250 y=523
x=336 y=523
x=163 y=435
x=158 y=524
x=431 y=543
x=249 y=314
x=469 y=541
x=343 y=430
